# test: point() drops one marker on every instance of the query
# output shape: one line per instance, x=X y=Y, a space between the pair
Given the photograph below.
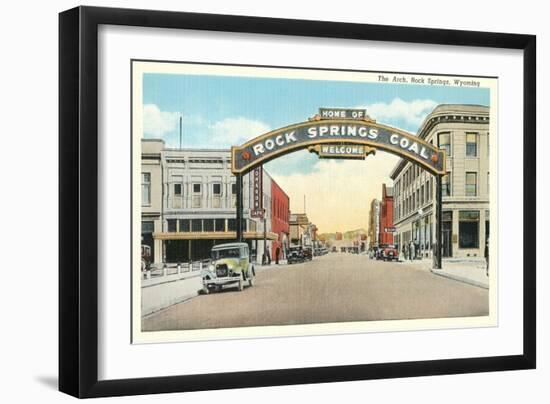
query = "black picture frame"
x=78 y=201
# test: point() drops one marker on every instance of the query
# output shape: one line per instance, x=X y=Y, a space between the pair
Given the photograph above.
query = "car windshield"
x=226 y=253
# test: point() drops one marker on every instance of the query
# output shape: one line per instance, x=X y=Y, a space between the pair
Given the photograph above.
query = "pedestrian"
x=277 y=253
x=412 y=252
x=268 y=257
x=487 y=257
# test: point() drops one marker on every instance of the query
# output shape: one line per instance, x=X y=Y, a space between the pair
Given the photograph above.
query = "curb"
x=459 y=278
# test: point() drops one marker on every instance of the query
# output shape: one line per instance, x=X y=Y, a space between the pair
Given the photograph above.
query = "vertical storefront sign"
x=257 y=193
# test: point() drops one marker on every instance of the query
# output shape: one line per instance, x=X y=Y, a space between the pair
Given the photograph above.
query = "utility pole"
x=240 y=207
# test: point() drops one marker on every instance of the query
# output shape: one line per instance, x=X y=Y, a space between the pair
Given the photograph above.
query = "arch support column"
x=240 y=208
x=438 y=222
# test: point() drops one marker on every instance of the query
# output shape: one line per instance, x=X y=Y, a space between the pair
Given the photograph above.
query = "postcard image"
x=275 y=201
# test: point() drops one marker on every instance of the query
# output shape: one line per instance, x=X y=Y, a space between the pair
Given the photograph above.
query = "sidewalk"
x=467 y=270
x=260 y=267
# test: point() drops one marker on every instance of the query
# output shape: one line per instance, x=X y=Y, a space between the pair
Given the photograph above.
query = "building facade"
x=189 y=203
x=374 y=224
x=151 y=194
x=302 y=231
x=463 y=131
x=280 y=221
x=386 y=216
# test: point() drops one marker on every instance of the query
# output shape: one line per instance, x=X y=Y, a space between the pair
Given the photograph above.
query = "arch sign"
x=340 y=127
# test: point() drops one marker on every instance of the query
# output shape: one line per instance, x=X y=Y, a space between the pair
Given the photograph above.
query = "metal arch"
x=243 y=159
x=436 y=166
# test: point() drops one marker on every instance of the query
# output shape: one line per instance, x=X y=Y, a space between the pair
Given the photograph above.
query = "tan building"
x=300 y=229
x=151 y=194
x=463 y=131
x=374 y=224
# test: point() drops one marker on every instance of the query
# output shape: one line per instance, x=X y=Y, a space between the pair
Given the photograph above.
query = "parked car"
x=389 y=252
x=230 y=266
x=295 y=255
x=308 y=253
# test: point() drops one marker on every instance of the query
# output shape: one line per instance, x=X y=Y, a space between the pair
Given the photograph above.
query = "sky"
x=221 y=111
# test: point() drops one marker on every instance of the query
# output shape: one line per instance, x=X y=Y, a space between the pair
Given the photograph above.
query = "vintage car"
x=308 y=253
x=230 y=266
x=389 y=252
x=295 y=255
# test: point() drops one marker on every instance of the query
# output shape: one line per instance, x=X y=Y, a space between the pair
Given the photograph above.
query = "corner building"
x=463 y=132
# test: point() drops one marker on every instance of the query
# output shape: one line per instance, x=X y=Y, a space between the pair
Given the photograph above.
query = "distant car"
x=389 y=252
x=295 y=255
x=230 y=265
x=308 y=253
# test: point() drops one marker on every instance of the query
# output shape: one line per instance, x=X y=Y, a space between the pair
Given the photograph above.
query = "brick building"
x=386 y=216
x=280 y=217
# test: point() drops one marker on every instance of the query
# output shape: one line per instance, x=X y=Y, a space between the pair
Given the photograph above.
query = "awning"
x=214 y=235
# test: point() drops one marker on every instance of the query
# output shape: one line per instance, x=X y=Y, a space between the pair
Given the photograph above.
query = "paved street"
x=332 y=288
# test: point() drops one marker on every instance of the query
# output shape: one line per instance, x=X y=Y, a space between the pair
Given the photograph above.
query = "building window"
x=446 y=184
x=197 y=189
x=172 y=223
x=471 y=144
x=196 y=225
x=216 y=195
x=185 y=225
x=422 y=195
x=208 y=225
x=176 y=200
x=219 y=225
x=444 y=140
x=234 y=195
x=145 y=189
x=147 y=227
x=468 y=229
x=471 y=184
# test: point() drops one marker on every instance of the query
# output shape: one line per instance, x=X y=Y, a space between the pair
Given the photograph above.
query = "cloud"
x=338 y=192
x=158 y=123
x=411 y=112
x=300 y=161
x=233 y=131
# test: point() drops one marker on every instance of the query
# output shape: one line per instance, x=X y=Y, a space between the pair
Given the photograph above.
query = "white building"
x=189 y=202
